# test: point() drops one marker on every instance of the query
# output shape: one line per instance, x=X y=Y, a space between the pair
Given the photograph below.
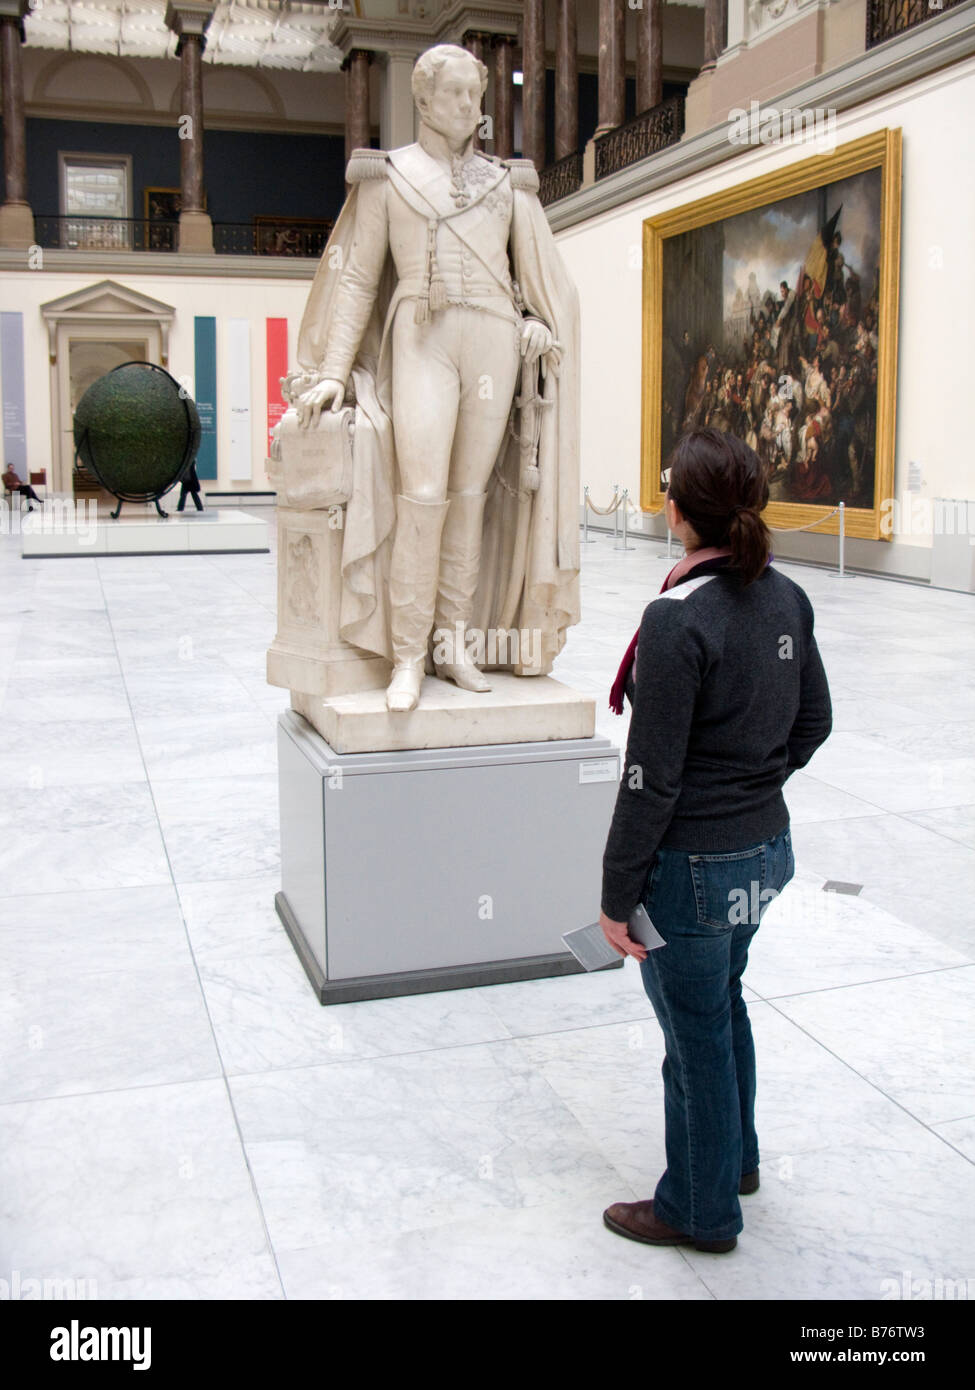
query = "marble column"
x=356 y=69
x=612 y=59
x=16 y=218
x=533 y=83
x=396 y=121
x=504 y=96
x=477 y=44
x=474 y=42
x=566 y=80
x=713 y=32
x=649 y=55
x=189 y=19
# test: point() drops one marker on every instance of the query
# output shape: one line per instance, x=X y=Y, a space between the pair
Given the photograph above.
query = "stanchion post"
x=624 y=504
x=585 y=517
x=842 y=536
x=616 y=518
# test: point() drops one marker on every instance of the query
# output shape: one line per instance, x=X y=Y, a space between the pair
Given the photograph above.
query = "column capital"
x=356 y=53
x=189 y=19
x=12 y=12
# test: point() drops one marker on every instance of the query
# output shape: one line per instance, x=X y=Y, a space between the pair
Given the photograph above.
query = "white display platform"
x=432 y=869
x=517 y=709
x=60 y=533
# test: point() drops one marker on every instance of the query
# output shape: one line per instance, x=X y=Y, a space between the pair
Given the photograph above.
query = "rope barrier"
x=606 y=511
x=808 y=527
x=624 y=497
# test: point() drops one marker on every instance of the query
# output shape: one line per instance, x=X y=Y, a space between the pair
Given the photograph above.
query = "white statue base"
x=433 y=869
x=517 y=709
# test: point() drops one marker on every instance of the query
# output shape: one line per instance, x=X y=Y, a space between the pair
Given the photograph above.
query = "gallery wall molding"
x=215 y=120
x=144 y=105
x=908 y=58
x=179 y=264
x=245 y=76
x=759 y=19
x=49 y=74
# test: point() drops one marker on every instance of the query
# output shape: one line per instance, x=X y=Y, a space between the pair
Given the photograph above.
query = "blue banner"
x=14 y=412
x=205 y=379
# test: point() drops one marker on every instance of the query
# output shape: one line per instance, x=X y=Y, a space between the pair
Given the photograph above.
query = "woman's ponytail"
x=721 y=487
x=750 y=542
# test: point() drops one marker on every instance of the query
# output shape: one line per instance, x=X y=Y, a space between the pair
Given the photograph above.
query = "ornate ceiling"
x=249 y=33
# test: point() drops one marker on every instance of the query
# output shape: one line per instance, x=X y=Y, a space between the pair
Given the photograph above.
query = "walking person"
x=190 y=487
x=729 y=698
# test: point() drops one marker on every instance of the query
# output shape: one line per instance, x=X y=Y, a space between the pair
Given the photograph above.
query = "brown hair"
x=721 y=487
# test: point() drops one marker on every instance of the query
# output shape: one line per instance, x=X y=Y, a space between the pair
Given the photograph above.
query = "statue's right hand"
x=328 y=394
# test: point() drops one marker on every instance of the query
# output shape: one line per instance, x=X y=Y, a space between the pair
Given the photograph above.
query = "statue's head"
x=448 y=83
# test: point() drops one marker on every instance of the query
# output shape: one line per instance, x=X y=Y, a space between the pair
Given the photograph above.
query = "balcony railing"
x=561 y=179
x=263 y=237
x=268 y=236
x=646 y=134
x=885 y=18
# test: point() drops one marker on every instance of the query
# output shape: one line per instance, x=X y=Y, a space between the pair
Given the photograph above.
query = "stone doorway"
x=90 y=332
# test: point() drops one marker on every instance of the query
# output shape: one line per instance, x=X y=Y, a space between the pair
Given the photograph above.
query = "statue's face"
x=454 y=107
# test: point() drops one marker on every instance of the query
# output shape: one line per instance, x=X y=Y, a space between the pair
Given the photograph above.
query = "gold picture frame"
x=879 y=151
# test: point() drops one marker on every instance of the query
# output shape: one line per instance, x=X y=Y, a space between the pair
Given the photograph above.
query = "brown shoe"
x=636 y=1221
x=748 y=1184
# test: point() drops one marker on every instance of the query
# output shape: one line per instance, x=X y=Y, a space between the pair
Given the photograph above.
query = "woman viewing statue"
x=729 y=698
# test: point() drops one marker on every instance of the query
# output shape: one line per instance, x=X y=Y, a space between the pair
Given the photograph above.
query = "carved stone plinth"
x=307 y=654
x=195 y=232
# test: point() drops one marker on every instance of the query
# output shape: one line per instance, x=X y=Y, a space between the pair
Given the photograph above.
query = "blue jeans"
x=707 y=907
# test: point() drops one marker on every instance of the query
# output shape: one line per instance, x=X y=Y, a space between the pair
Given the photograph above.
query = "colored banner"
x=205 y=379
x=14 y=411
x=239 y=371
x=277 y=367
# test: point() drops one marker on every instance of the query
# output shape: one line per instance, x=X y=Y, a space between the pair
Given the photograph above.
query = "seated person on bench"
x=13 y=484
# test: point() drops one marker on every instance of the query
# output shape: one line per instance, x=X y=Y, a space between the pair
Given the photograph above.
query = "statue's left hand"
x=536 y=341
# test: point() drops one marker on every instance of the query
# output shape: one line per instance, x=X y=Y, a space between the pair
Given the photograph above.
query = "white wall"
x=253 y=299
x=937 y=293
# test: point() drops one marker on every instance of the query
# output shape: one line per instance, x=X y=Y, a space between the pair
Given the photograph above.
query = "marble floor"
x=179 y=1118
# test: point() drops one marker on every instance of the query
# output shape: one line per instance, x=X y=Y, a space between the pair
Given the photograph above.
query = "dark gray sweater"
x=730 y=698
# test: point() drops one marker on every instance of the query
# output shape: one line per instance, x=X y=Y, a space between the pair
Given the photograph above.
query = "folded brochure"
x=593 y=951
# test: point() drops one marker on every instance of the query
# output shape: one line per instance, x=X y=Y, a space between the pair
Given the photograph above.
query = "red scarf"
x=683 y=567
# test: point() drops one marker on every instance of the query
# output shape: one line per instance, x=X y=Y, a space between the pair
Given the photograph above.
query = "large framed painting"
x=770 y=312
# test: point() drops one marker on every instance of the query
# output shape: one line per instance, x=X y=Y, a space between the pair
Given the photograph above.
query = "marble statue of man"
x=442 y=309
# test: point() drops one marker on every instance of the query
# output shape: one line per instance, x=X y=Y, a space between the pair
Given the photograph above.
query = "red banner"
x=277 y=367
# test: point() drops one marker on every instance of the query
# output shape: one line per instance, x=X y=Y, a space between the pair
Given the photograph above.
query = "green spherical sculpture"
x=137 y=430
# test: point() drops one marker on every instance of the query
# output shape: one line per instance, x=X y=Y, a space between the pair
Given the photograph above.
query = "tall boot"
x=413 y=572
x=460 y=557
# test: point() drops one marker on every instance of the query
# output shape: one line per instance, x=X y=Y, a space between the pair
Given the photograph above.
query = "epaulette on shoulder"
x=523 y=174
x=366 y=164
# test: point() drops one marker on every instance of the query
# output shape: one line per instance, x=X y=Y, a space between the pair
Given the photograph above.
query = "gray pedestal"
x=439 y=868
